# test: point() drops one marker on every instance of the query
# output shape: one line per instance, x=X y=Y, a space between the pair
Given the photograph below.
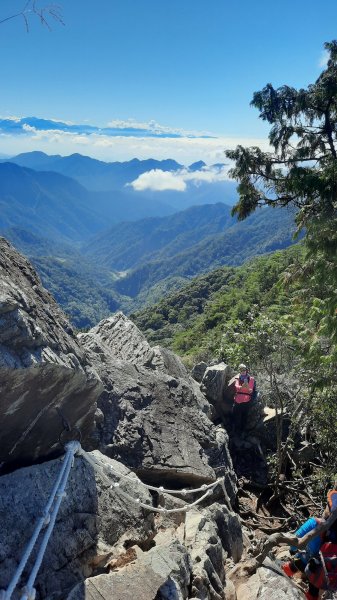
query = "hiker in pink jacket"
x=245 y=392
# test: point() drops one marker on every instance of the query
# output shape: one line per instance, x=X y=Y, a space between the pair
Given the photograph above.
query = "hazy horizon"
x=153 y=79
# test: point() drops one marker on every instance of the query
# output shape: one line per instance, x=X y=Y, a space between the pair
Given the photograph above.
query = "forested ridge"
x=141 y=261
x=191 y=321
x=278 y=313
x=168 y=326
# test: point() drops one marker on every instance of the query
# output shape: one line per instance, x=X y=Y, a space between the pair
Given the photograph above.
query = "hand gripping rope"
x=47 y=519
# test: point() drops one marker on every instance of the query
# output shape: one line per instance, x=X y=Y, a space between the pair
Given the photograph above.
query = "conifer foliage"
x=301 y=167
x=300 y=170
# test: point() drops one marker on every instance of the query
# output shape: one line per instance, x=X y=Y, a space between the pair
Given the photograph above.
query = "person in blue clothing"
x=331 y=534
x=301 y=559
x=308 y=559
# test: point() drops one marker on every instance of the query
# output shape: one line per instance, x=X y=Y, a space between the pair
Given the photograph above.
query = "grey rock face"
x=211 y=536
x=162 y=573
x=153 y=422
x=269 y=584
x=127 y=343
x=198 y=371
x=168 y=362
x=214 y=384
x=98 y=524
x=185 y=560
x=42 y=367
x=123 y=339
x=92 y=519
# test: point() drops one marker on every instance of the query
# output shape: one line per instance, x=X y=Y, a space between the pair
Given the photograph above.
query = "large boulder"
x=155 y=423
x=163 y=573
x=129 y=344
x=269 y=583
x=184 y=561
x=94 y=521
x=215 y=385
x=198 y=371
x=42 y=367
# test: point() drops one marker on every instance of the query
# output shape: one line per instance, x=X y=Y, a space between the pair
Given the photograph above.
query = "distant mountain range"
x=91 y=173
x=52 y=204
x=97 y=175
x=127 y=245
x=265 y=231
x=99 y=251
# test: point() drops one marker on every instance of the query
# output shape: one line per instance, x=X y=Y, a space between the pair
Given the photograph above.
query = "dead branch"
x=264 y=528
x=291 y=539
x=43 y=13
x=255 y=515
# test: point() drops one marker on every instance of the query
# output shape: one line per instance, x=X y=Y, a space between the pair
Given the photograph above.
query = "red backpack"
x=323 y=574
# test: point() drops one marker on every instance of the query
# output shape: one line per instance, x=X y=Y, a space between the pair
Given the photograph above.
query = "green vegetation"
x=192 y=320
x=278 y=313
x=301 y=171
x=266 y=231
x=75 y=287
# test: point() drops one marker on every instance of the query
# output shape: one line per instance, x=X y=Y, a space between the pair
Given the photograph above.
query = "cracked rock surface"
x=162 y=572
x=93 y=519
x=186 y=561
x=269 y=583
x=42 y=367
x=154 y=422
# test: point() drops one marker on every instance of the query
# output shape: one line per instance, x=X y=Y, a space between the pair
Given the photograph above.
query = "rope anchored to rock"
x=101 y=468
x=49 y=514
x=47 y=519
x=159 y=489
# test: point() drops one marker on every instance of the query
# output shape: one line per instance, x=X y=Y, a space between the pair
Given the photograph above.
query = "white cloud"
x=158 y=180
x=112 y=148
x=155 y=128
x=55 y=136
x=11 y=118
x=29 y=128
x=323 y=61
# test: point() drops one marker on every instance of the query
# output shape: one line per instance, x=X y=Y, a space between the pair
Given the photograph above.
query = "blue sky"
x=187 y=65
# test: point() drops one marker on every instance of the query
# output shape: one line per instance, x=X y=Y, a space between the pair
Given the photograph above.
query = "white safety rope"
x=50 y=512
x=48 y=517
x=101 y=467
x=160 y=489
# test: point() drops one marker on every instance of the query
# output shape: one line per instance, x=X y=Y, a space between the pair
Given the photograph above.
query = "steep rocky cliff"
x=42 y=367
x=145 y=421
x=155 y=418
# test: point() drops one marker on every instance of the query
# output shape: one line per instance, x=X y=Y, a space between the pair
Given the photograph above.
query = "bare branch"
x=44 y=14
x=291 y=539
